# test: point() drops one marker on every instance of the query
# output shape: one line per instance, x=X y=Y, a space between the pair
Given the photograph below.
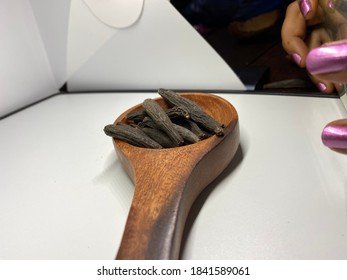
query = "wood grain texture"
x=167 y=181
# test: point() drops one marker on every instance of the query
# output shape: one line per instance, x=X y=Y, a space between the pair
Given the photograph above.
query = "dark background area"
x=260 y=60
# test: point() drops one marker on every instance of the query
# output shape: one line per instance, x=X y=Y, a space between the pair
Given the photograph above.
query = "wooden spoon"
x=167 y=181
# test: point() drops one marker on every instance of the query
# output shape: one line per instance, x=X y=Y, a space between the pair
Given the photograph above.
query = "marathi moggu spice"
x=196 y=113
x=130 y=134
x=182 y=124
x=162 y=120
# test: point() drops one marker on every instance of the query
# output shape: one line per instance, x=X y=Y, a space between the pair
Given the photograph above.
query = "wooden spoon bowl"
x=167 y=181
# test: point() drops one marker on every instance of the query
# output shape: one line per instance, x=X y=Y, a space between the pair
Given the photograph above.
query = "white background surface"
x=25 y=70
x=64 y=195
x=47 y=43
x=161 y=49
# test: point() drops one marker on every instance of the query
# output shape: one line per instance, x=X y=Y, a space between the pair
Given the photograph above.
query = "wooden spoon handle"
x=155 y=222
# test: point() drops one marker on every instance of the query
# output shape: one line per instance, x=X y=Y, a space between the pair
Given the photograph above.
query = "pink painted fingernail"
x=327 y=59
x=331 y=5
x=297 y=58
x=322 y=87
x=305 y=7
x=334 y=135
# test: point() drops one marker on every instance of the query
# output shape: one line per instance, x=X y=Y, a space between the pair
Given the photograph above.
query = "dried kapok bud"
x=132 y=135
x=161 y=119
x=181 y=124
x=196 y=113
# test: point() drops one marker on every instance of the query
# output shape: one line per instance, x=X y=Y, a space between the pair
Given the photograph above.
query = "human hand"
x=329 y=61
x=325 y=62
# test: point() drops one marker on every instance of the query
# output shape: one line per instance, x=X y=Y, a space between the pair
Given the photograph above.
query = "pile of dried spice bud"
x=183 y=123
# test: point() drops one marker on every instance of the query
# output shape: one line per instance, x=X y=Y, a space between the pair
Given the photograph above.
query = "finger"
x=342 y=31
x=341 y=151
x=329 y=62
x=340 y=87
x=293 y=34
x=337 y=77
x=334 y=136
x=318 y=37
x=335 y=11
x=322 y=84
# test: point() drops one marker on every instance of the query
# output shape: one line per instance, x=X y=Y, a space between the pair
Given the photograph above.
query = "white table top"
x=64 y=194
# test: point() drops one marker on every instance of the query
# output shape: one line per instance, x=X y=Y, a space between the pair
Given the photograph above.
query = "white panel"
x=87 y=34
x=116 y=13
x=25 y=72
x=160 y=50
x=52 y=17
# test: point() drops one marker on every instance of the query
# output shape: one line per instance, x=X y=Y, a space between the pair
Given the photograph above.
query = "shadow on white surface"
x=201 y=199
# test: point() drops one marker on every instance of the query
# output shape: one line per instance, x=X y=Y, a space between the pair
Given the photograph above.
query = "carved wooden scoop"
x=167 y=181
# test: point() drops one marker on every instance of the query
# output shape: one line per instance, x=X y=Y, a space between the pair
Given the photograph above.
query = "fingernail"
x=322 y=87
x=327 y=59
x=331 y=5
x=297 y=58
x=334 y=135
x=305 y=7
